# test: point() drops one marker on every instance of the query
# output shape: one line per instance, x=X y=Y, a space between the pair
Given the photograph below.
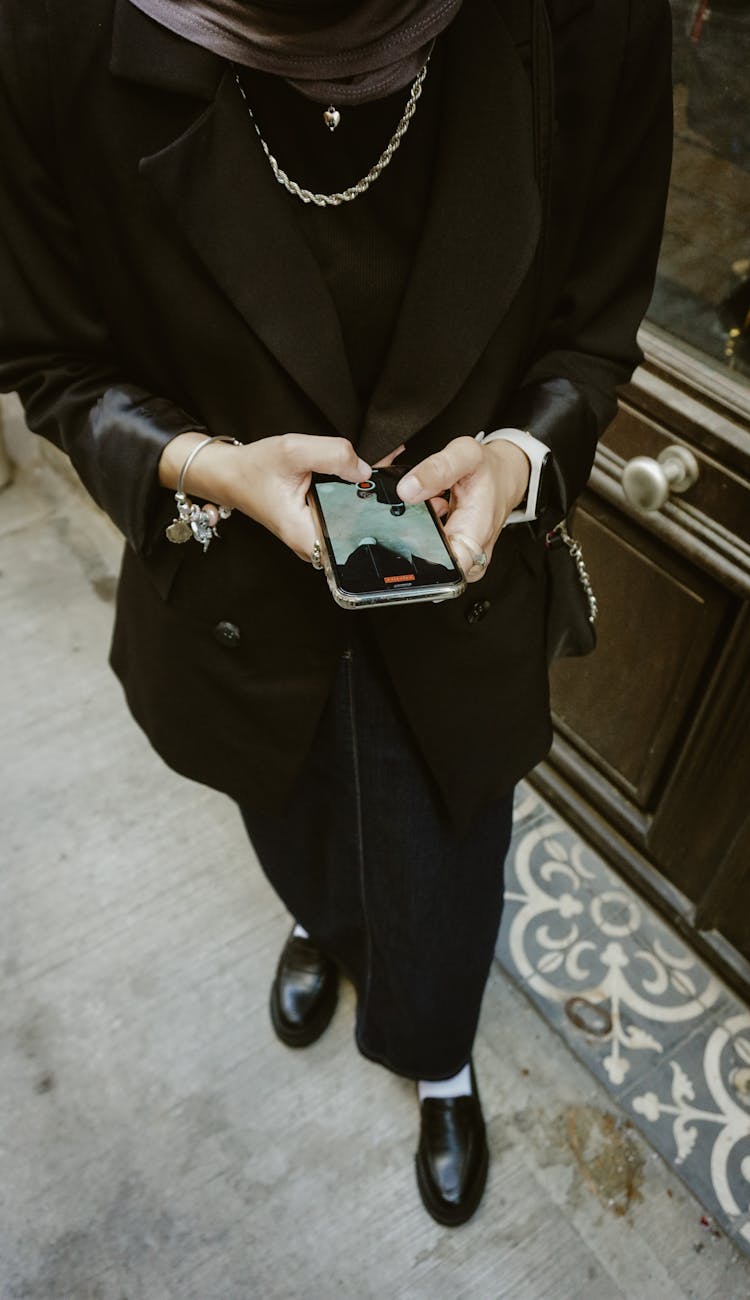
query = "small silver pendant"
x=179 y=531
x=331 y=117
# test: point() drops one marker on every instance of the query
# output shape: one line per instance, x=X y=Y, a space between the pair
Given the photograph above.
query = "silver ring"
x=478 y=556
x=316 y=556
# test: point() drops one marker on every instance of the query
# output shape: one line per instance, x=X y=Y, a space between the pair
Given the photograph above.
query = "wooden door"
x=652 y=750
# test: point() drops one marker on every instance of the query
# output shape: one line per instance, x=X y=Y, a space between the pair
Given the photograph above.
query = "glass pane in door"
x=702 y=295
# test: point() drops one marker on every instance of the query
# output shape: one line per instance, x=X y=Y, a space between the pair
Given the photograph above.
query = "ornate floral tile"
x=694 y=1107
x=650 y=1019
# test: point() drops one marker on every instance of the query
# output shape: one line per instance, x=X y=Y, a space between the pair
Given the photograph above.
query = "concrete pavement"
x=156 y=1141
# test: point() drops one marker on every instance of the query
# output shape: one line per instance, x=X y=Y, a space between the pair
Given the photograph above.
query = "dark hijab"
x=332 y=52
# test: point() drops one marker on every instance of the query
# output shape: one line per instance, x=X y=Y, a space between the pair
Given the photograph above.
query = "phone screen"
x=376 y=543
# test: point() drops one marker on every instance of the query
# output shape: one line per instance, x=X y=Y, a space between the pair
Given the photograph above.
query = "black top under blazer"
x=155 y=280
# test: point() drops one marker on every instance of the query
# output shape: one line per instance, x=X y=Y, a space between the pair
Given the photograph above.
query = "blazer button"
x=477 y=611
x=227 y=634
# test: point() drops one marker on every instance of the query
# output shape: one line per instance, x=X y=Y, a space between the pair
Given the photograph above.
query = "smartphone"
x=376 y=549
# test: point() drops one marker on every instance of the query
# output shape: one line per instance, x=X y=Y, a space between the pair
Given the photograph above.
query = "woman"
x=487 y=185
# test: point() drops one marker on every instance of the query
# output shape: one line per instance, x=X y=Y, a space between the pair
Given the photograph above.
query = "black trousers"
x=365 y=859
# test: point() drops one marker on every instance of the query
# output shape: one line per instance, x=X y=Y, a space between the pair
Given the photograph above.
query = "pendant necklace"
x=332 y=117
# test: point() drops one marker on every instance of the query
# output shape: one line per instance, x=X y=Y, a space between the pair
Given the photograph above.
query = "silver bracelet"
x=191 y=520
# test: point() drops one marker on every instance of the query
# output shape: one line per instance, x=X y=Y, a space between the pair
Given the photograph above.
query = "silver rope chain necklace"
x=354 y=191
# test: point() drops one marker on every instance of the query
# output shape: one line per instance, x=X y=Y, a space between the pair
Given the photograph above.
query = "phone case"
x=373 y=599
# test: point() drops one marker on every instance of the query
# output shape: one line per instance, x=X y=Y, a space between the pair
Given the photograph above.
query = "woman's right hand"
x=267 y=480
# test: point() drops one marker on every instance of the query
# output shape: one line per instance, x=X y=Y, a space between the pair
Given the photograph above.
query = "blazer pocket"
x=162 y=565
x=530 y=548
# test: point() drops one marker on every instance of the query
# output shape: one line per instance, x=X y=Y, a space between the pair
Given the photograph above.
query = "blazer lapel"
x=481 y=231
x=217 y=184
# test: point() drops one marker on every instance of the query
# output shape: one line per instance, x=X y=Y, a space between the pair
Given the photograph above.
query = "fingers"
x=305 y=535
x=443 y=470
x=389 y=459
x=305 y=453
x=472 y=557
x=298 y=533
x=471 y=531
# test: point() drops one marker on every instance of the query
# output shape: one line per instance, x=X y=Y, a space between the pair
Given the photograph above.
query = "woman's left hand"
x=485 y=483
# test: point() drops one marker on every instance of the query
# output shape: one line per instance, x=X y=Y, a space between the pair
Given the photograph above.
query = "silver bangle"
x=191 y=520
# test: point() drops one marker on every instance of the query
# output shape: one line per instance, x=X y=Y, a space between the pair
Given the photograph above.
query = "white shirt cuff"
x=536 y=452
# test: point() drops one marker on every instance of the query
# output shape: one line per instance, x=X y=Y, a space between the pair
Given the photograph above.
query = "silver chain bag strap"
x=572 y=606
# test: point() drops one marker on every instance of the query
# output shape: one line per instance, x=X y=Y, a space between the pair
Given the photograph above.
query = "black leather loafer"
x=304 y=992
x=452 y=1157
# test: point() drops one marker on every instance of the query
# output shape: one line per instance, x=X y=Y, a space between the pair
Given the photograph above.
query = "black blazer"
x=153 y=281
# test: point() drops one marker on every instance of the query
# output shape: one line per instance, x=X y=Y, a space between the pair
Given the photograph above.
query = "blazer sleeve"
x=587 y=345
x=54 y=346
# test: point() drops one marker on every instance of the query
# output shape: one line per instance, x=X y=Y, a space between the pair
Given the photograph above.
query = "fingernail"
x=409 y=488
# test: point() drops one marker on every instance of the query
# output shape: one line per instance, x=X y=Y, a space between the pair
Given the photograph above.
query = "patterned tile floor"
x=666 y=1037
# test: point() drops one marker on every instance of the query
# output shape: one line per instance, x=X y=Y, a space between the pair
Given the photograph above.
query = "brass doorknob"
x=647 y=483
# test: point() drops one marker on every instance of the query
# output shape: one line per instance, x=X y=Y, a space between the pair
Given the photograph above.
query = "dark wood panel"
x=725 y=905
x=706 y=805
x=627 y=706
x=651 y=758
x=577 y=768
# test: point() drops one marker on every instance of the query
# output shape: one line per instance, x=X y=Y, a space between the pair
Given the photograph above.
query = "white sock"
x=458 y=1086
x=300 y=932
